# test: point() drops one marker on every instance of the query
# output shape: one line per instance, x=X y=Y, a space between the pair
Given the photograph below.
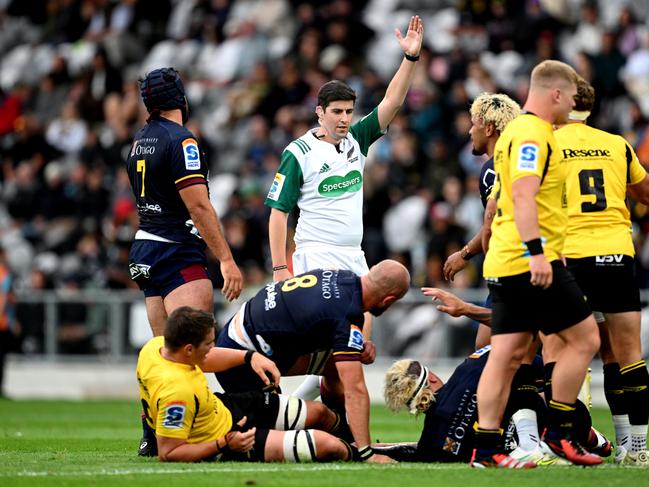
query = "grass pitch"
x=94 y=443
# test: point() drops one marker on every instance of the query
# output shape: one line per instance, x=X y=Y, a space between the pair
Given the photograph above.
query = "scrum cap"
x=162 y=89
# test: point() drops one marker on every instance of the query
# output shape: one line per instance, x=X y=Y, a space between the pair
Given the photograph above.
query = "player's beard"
x=377 y=310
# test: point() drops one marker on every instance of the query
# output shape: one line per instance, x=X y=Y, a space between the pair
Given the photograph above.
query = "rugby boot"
x=573 y=452
x=498 y=460
x=148 y=444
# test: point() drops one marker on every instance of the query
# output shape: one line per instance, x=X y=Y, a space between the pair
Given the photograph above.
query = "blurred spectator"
x=9 y=331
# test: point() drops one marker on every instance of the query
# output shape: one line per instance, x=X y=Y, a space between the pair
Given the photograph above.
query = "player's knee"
x=331 y=448
x=320 y=416
x=292 y=413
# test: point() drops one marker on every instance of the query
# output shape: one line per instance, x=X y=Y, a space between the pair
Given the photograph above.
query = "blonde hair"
x=401 y=387
x=547 y=72
x=496 y=108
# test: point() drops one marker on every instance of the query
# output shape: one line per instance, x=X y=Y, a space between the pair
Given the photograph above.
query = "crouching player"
x=451 y=412
x=191 y=423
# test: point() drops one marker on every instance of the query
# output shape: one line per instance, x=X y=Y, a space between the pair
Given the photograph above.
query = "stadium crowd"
x=69 y=107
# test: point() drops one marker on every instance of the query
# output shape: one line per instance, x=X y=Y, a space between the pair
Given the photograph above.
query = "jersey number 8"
x=307 y=280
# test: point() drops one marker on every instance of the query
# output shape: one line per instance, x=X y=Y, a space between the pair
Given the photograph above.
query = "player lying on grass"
x=192 y=423
x=451 y=411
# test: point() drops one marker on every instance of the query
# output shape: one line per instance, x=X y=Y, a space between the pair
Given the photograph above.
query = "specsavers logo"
x=335 y=186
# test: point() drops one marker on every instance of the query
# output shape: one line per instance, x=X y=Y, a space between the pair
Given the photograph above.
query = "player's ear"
x=188 y=349
x=490 y=129
x=319 y=112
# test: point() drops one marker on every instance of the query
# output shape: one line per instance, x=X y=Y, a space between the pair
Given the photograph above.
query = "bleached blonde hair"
x=495 y=108
x=404 y=387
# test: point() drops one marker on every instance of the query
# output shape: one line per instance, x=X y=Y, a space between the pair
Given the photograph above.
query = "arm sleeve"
x=285 y=189
x=348 y=341
x=176 y=411
x=367 y=130
x=636 y=172
x=188 y=166
x=529 y=154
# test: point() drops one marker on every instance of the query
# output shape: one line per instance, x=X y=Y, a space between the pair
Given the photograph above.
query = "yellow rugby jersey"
x=599 y=166
x=526 y=147
x=177 y=400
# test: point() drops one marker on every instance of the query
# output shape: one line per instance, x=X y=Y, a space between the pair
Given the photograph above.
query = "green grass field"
x=93 y=443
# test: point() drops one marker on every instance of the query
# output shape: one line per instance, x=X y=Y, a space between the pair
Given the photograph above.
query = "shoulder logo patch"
x=191 y=154
x=276 y=187
x=174 y=415
x=528 y=156
x=325 y=168
x=355 y=338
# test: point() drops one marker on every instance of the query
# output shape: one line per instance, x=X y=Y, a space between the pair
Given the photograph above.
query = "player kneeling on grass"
x=451 y=412
x=191 y=423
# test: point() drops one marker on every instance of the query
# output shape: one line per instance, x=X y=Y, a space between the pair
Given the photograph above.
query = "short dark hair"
x=187 y=326
x=585 y=97
x=335 y=90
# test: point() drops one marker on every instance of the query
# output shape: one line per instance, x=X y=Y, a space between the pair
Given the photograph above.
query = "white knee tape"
x=299 y=446
x=291 y=414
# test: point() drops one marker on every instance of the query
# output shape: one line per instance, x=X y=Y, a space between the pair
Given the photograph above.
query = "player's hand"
x=281 y=275
x=454 y=264
x=241 y=441
x=262 y=366
x=451 y=304
x=232 y=280
x=541 y=271
x=411 y=43
x=376 y=458
x=368 y=355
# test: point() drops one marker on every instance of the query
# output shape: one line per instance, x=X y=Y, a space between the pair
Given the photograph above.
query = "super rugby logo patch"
x=276 y=187
x=355 y=338
x=528 y=156
x=174 y=415
x=191 y=154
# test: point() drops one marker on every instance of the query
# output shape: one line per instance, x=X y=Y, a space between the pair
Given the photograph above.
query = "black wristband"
x=365 y=453
x=247 y=358
x=280 y=267
x=411 y=58
x=465 y=253
x=535 y=246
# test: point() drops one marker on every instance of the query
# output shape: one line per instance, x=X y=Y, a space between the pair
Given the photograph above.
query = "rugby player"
x=322 y=173
x=191 y=423
x=450 y=411
x=530 y=288
x=313 y=323
x=602 y=170
x=168 y=175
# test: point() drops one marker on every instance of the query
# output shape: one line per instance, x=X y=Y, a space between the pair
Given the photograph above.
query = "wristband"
x=247 y=358
x=365 y=453
x=534 y=246
x=280 y=267
x=414 y=59
x=465 y=253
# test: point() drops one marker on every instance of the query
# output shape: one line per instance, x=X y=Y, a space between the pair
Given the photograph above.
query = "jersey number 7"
x=141 y=167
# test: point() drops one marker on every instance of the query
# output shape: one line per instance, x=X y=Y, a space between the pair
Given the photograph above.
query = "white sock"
x=638 y=437
x=527 y=429
x=622 y=430
x=309 y=389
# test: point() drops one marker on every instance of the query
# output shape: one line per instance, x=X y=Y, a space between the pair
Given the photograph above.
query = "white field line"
x=223 y=468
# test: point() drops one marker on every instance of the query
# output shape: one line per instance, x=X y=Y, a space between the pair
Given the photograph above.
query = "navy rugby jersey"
x=448 y=434
x=315 y=311
x=487 y=179
x=165 y=158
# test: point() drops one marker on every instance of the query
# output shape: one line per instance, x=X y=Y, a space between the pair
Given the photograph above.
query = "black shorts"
x=518 y=306
x=159 y=267
x=608 y=281
x=261 y=410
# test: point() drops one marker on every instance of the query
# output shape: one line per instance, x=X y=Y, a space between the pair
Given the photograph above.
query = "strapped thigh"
x=291 y=414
